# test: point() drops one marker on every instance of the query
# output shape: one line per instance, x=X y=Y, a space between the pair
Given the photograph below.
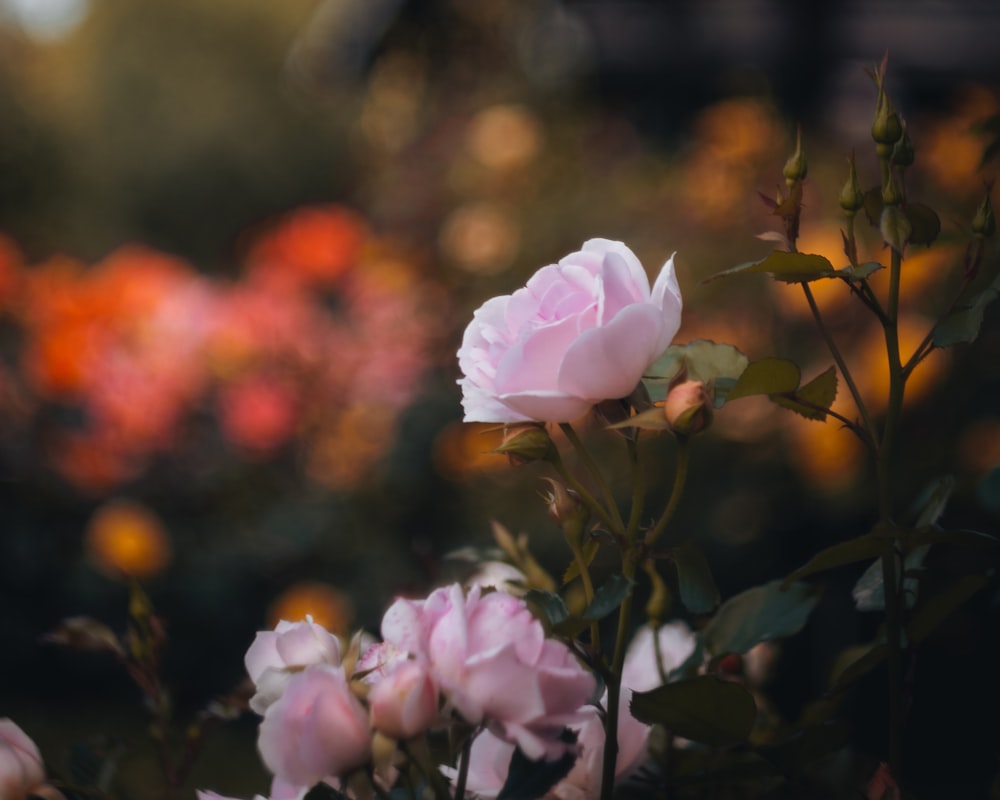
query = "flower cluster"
x=325 y=333
x=475 y=658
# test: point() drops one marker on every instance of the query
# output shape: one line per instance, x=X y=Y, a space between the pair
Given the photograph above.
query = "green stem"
x=613 y=679
x=680 y=476
x=893 y=608
x=591 y=502
x=841 y=365
x=638 y=491
x=595 y=470
x=588 y=593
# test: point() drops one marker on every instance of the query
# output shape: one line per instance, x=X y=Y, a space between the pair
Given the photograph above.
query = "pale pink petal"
x=547 y=405
x=533 y=363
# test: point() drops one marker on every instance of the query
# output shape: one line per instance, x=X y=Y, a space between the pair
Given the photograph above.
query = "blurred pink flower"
x=405 y=702
x=280 y=790
x=259 y=412
x=676 y=644
x=581 y=331
x=274 y=656
x=492 y=662
x=316 y=729
x=21 y=769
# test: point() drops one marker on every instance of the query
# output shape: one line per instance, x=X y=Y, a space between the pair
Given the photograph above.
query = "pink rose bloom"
x=639 y=672
x=21 y=769
x=280 y=790
x=582 y=331
x=490 y=658
x=316 y=729
x=405 y=702
x=274 y=656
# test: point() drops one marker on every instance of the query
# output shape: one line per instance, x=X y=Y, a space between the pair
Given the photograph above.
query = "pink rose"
x=275 y=655
x=405 y=702
x=316 y=729
x=582 y=331
x=21 y=769
x=280 y=790
x=491 y=660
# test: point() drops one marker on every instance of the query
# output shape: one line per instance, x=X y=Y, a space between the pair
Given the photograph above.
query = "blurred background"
x=240 y=240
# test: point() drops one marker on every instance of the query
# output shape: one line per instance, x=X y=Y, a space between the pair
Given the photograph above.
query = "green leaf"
x=865 y=270
x=963 y=325
x=608 y=597
x=550 y=607
x=528 y=780
x=895 y=228
x=704 y=709
x=698 y=591
x=652 y=419
x=873 y=205
x=856 y=662
x=869 y=591
x=704 y=360
x=787 y=267
x=924 y=223
x=767 y=376
x=942 y=605
x=807 y=400
x=959 y=538
x=841 y=554
x=758 y=615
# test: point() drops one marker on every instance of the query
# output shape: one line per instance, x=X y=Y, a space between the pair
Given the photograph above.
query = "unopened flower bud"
x=895 y=227
x=568 y=511
x=902 y=150
x=891 y=195
x=524 y=445
x=851 y=196
x=796 y=167
x=984 y=223
x=688 y=408
x=886 y=127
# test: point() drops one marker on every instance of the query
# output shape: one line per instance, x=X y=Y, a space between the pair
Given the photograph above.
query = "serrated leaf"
x=786 y=267
x=704 y=360
x=758 y=615
x=528 y=780
x=808 y=400
x=925 y=225
x=704 y=709
x=767 y=376
x=963 y=325
x=862 y=271
x=698 y=591
x=841 y=554
x=608 y=597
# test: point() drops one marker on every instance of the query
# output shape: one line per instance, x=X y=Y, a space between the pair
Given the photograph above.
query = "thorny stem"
x=588 y=459
x=841 y=365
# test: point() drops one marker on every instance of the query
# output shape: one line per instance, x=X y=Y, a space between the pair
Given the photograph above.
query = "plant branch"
x=595 y=470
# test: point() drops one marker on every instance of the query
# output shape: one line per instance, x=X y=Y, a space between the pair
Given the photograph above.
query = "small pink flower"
x=275 y=655
x=491 y=660
x=21 y=769
x=581 y=331
x=405 y=702
x=316 y=729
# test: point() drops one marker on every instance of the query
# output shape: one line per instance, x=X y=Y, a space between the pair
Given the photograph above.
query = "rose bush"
x=581 y=331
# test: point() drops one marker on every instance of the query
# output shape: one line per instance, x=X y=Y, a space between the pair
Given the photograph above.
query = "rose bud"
x=688 y=408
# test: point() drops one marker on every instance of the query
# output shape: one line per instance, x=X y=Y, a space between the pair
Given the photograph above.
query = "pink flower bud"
x=688 y=408
x=21 y=769
x=405 y=703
